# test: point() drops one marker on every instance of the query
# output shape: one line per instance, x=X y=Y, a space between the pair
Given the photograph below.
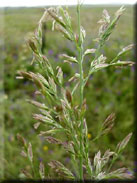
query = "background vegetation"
x=109 y=90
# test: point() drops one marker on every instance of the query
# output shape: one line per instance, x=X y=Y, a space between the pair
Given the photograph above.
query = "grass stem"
x=80 y=60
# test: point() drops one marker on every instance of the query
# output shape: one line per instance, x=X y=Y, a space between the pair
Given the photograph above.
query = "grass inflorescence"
x=60 y=113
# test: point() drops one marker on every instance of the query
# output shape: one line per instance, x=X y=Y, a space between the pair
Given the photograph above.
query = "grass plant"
x=61 y=117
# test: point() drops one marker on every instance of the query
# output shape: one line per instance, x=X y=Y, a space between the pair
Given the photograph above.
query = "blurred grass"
x=109 y=90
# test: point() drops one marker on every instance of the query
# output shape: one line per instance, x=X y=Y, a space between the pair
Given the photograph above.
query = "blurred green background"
x=109 y=90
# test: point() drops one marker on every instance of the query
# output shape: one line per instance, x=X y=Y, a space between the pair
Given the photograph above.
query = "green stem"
x=80 y=60
x=113 y=160
x=96 y=56
x=33 y=170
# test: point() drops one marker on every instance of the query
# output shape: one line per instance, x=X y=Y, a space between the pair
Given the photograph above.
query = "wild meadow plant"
x=60 y=113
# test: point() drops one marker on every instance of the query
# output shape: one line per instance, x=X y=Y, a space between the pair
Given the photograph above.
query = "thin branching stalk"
x=80 y=61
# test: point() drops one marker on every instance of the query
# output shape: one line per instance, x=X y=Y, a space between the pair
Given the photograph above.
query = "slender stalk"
x=80 y=60
x=96 y=56
x=33 y=169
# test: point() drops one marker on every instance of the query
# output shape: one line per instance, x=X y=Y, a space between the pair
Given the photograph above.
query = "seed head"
x=36 y=125
x=124 y=142
x=26 y=173
x=106 y=16
x=32 y=45
x=30 y=154
x=23 y=154
x=119 y=12
x=21 y=139
x=68 y=96
x=52 y=140
x=108 y=123
x=42 y=170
